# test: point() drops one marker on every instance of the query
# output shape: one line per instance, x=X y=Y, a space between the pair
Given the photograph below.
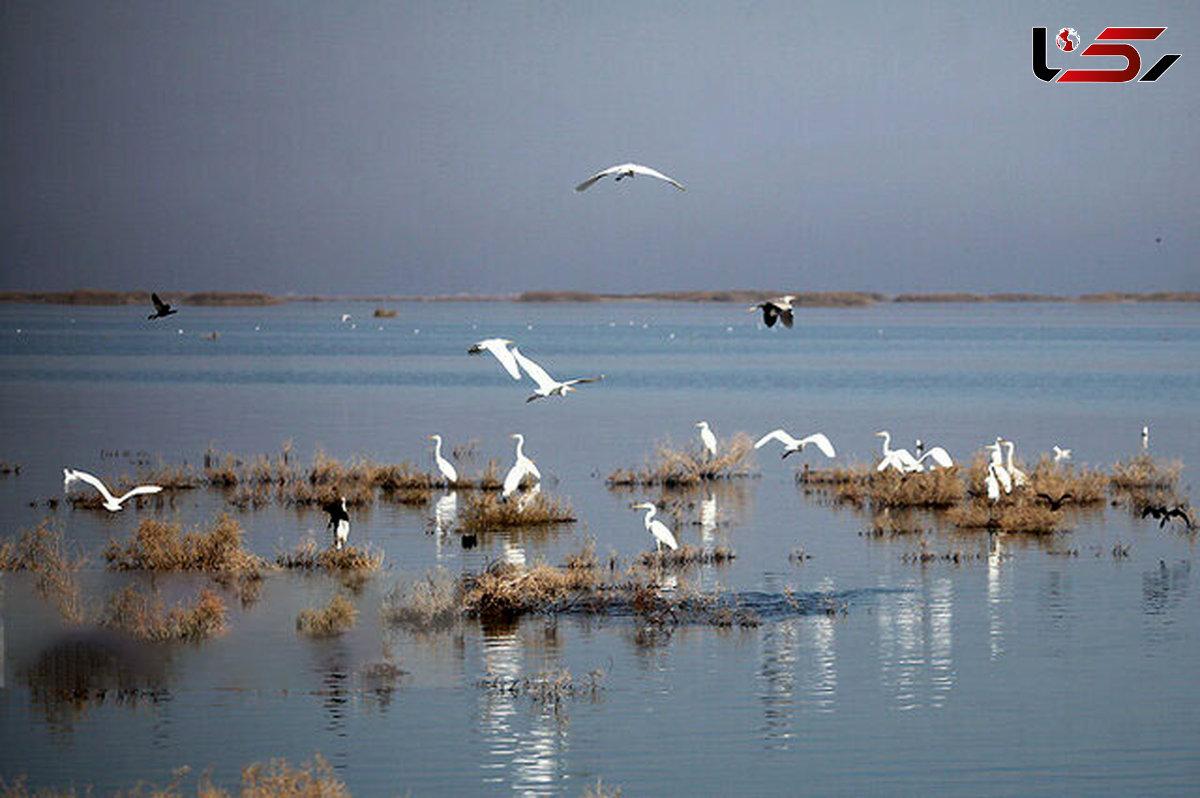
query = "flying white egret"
x=658 y=529
x=940 y=456
x=524 y=465
x=499 y=348
x=547 y=385
x=1061 y=453
x=1145 y=438
x=111 y=503
x=624 y=170
x=444 y=465
x=339 y=521
x=1019 y=478
x=899 y=459
x=707 y=437
x=779 y=307
x=792 y=445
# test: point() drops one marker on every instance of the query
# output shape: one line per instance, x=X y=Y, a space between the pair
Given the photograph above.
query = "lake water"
x=1023 y=672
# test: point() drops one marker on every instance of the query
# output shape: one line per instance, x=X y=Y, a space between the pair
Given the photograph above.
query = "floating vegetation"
x=939 y=488
x=955 y=556
x=487 y=511
x=547 y=687
x=159 y=546
x=688 y=555
x=1055 y=480
x=385 y=313
x=1020 y=515
x=41 y=550
x=143 y=615
x=336 y=618
x=599 y=790
x=682 y=467
x=308 y=556
x=428 y=603
x=887 y=524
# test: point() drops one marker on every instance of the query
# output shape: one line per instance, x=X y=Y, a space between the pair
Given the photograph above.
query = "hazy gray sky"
x=405 y=147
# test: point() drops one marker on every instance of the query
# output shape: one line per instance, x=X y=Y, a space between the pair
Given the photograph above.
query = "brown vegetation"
x=487 y=511
x=41 y=550
x=159 y=546
x=431 y=602
x=682 y=467
x=310 y=557
x=143 y=615
x=687 y=555
x=1144 y=473
x=1019 y=515
x=336 y=618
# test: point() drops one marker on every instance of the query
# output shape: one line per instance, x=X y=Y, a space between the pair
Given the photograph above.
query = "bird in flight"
x=779 y=307
x=161 y=309
x=792 y=445
x=499 y=348
x=547 y=385
x=1054 y=503
x=1061 y=454
x=624 y=170
x=1165 y=514
x=111 y=503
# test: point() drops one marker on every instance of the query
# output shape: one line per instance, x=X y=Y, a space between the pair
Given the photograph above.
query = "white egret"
x=339 y=521
x=940 y=456
x=499 y=348
x=707 y=438
x=658 y=529
x=547 y=385
x=624 y=170
x=997 y=476
x=523 y=466
x=161 y=309
x=1019 y=477
x=899 y=459
x=792 y=445
x=444 y=466
x=1061 y=453
x=111 y=503
x=779 y=307
x=345 y=318
x=1145 y=438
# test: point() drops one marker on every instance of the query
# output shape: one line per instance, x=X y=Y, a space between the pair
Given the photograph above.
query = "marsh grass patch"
x=675 y=467
x=144 y=615
x=482 y=512
x=336 y=618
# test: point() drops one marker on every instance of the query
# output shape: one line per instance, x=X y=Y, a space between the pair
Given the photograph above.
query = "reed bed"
x=336 y=618
x=673 y=467
x=1086 y=486
x=144 y=616
x=159 y=546
x=939 y=488
x=1145 y=473
x=308 y=556
x=429 y=603
x=41 y=550
x=1021 y=515
x=487 y=511
x=686 y=556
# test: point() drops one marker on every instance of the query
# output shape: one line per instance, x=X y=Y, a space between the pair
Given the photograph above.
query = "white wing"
x=891 y=461
x=939 y=455
x=1003 y=476
x=537 y=373
x=660 y=531
x=499 y=348
x=591 y=181
x=777 y=435
x=447 y=469
x=907 y=461
x=822 y=443
x=646 y=170
x=710 y=440
x=139 y=491
x=70 y=476
x=532 y=469
x=513 y=480
x=993 y=487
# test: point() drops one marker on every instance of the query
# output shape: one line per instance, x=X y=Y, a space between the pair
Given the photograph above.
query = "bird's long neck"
x=887 y=443
x=520 y=446
x=437 y=446
x=1009 y=446
x=650 y=511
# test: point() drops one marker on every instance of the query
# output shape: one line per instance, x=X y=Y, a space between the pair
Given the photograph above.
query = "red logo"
x=1068 y=42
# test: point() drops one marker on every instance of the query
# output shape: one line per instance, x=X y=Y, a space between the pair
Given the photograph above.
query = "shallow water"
x=1013 y=671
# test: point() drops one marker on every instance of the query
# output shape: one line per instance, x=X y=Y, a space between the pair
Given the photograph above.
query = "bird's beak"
x=512 y=436
x=878 y=434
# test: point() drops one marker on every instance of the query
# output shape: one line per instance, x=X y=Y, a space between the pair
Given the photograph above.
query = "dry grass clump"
x=485 y=511
x=505 y=590
x=1021 y=515
x=599 y=790
x=427 y=603
x=941 y=487
x=171 y=477
x=336 y=618
x=885 y=524
x=839 y=475
x=41 y=550
x=309 y=557
x=687 y=555
x=159 y=546
x=143 y=615
x=681 y=467
x=1145 y=473
x=1086 y=486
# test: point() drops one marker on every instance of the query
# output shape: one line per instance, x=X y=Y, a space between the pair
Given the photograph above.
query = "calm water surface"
x=1017 y=671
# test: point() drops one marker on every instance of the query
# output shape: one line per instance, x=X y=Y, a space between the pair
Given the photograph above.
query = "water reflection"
x=777 y=674
x=916 y=644
x=999 y=592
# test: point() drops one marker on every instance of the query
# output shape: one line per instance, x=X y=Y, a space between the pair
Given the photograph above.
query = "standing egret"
x=792 y=445
x=707 y=437
x=662 y=535
x=1145 y=438
x=779 y=307
x=899 y=459
x=1019 y=478
x=547 y=385
x=624 y=170
x=940 y=457
x=1061 y=453
x=499 y=348
x=444 y=465
x=339 y=521
x=161 y=309
x=997 y=476
x=524 y=465
x=111 y=503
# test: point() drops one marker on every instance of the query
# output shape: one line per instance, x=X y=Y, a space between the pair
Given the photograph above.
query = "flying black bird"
x=1054 y=503
x=161 y=309
x=779 y=307
x=339 y=521
x=1165 y=514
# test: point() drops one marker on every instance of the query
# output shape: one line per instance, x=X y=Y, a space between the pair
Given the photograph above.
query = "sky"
x=359 y=148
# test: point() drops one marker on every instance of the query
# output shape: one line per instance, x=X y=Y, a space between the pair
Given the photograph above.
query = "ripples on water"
x=1019 y=670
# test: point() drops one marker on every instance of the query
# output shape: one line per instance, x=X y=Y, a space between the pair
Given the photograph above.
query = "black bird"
x=161 y=309
x=1165 y=514
x=339 y=521
x=778 y=308
x=1054 y=503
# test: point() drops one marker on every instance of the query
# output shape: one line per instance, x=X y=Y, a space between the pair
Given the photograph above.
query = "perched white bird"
x=707 y=437
x=997 y=475
x=345 y=318
x=899 y=459
x=1061 y=453
x=444 y=466
x=1145 y=438
x=662 y=535
x=940 y=457
x=792 y=445
x=779 y=307
x=1019 y=478
x=624 y=170
x=111 y=503
x=524 y=465
x=499 y=348
x=547 y=385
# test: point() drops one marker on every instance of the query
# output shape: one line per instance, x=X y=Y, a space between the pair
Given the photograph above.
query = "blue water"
x=1024 y=672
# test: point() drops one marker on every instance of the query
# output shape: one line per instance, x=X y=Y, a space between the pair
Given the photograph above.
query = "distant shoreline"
x=825 y=299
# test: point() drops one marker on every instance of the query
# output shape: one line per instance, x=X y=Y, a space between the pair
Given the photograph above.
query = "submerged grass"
x=673 y=467
x=41 y=550
x=429 y=603
x=143 y=615
x=336 y=618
